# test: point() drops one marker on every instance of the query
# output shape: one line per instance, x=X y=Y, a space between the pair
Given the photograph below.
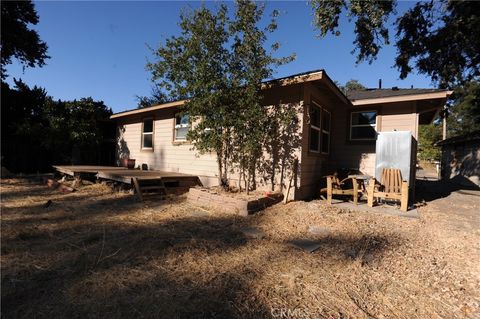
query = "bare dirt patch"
x=99 y=253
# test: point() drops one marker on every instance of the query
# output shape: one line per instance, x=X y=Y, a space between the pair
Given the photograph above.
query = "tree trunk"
x=220 y=169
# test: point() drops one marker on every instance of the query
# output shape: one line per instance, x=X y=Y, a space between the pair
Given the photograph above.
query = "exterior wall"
x=166 y=155
x=461 y=163
x=172 y=156
x=316 y=165
x=400 y=116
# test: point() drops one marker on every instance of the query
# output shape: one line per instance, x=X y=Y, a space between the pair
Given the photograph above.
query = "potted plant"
x=128 y=163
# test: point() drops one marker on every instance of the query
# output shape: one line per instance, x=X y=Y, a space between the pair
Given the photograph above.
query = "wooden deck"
x=127 y=176
x=75 y=170
x=124 y=175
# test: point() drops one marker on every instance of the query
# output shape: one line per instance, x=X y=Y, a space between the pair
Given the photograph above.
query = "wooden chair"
x=335 y=186
x=391 y=187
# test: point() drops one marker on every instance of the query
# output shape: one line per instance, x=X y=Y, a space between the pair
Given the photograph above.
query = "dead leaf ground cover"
x=97 y=253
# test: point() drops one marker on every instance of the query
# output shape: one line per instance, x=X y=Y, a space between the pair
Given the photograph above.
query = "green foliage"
x=464 y=114
x=156 y=97
x=38 y=131
x=370 y=18
x=217 y=64
x=437 y=38
x=428 y=136
x=18 y=40
x=351 y=85
x=441 y=38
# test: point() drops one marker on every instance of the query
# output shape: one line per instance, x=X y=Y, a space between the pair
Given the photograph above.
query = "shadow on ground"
x=93 y=260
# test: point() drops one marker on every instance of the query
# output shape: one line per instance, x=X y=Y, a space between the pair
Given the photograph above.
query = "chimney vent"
x=379 y=83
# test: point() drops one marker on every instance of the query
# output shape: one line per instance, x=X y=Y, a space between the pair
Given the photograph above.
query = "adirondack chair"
x=391 y=186
x=335 y=186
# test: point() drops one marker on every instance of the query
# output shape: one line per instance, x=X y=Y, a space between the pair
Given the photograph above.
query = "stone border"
x=208 y=198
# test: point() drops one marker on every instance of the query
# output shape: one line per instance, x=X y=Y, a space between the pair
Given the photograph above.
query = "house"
x=461 y=159
x=335 y=131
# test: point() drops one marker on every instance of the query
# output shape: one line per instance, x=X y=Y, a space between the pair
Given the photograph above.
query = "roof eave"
x=404 y=98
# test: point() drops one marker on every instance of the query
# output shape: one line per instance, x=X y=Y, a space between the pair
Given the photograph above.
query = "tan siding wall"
x=166 y=155
x=399 y=116
x=314 y=165
x=357 y=155
x=173 y=157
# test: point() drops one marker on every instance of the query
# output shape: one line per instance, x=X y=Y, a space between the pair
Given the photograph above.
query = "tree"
x=156 y=97
x=351 y=85
x=429 y=134
x=193 y=66
x=464 y=114
x=217 y=65
x=38 y=131
x=18 y=40
x=251 y=63
x=437 y=38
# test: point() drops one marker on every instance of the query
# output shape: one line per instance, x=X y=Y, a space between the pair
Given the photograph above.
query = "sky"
x=100 y=49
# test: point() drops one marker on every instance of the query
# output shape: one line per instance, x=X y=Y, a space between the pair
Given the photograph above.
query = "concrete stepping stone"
x=199 y=214
x=253 y=233
x=318 y=230
x=306 y=244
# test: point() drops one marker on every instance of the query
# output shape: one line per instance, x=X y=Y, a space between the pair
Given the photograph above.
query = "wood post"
x=137 y=188
x=370 y=190
x=355 y=191
x=329 y=190
x=404 y=200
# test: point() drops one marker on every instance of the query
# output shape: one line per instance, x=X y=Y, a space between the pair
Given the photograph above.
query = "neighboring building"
x=461 y=159
x=335 y=131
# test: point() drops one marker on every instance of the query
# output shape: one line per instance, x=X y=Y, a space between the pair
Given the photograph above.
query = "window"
x=363 y=125
x=147 y=134
x=182 y=125
x=325 y=132
x=315 y=114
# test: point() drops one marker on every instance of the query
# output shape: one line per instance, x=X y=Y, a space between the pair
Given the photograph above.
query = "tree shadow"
x=104 y=267
x=430 y=190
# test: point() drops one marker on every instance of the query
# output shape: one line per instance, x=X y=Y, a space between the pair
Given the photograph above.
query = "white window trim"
x=316 y=128
x=148 y=133
x=325 y=131
x=363 y=125
x=177 y=126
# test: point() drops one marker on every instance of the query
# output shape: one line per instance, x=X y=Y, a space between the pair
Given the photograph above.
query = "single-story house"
x=336 y=130
x=461 y=159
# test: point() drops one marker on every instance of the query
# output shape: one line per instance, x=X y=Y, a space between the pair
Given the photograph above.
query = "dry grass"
x=98 y=253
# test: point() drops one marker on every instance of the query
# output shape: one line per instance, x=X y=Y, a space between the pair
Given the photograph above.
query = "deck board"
x=122 y=174
x=127 y=175
x=72 y=170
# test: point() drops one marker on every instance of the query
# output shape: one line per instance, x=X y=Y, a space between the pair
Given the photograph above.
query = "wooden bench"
x=335 y=186
x=391 y=186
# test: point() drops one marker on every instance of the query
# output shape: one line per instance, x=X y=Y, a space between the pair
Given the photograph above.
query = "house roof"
x=357 y=97
x=381 y=93
x=474 y=136
x=303 y=77
x=372 y=96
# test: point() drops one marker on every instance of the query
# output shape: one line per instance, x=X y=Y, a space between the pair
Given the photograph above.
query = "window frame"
x=177 y=126
x=142 y=147
x=363 y=125
x=316 y=128
x=323 y=131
